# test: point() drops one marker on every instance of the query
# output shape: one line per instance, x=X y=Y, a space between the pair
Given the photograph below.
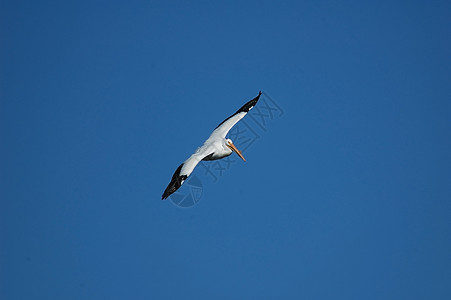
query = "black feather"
x=245 y=108
x=175 y=184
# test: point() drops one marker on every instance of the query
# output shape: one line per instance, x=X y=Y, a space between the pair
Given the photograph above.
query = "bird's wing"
x=222 y=129
x=184 y=170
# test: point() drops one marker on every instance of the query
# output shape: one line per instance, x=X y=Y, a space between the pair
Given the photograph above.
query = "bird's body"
x=215 y=147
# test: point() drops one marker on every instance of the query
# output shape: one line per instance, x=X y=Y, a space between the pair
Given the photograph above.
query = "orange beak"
x=232 y=146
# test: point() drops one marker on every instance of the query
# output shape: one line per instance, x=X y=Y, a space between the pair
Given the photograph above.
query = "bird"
x=217 y=146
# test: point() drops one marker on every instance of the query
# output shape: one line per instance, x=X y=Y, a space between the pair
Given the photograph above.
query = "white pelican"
x=215 y=147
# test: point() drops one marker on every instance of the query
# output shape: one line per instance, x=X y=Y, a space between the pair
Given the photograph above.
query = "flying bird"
x=215 y=147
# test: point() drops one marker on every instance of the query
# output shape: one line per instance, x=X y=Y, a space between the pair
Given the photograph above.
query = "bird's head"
x=233 y=148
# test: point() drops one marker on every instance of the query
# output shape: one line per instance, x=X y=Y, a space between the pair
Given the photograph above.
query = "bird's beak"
x=232 y=146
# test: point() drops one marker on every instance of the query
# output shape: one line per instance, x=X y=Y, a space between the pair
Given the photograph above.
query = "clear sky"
x=346 y=195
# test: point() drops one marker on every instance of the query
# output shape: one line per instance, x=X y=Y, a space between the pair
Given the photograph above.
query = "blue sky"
x=344 y=196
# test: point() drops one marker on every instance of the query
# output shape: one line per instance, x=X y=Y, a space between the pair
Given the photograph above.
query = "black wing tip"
x=173 y=186
x=248 y=106
x=166 y=193
x=176 y=182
